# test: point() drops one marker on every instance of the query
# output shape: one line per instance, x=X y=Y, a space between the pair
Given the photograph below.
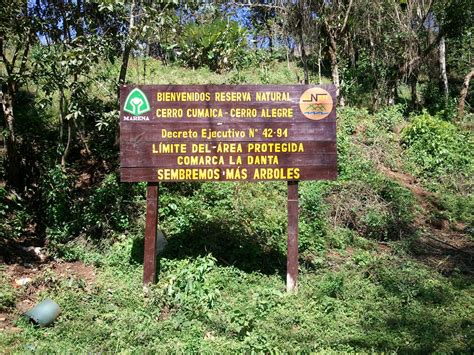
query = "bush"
x=238 y=223
x=220 y=44
x=7 y=293
x=110 y=207
x=186 y=285
x=411 y=281
x=14 y=216
x=378 y=210
x=98 y=211
x=389 y=117
x=436 y=147
x=57 y=207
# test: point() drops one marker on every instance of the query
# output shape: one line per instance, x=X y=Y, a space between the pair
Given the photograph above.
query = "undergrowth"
x=383 y=304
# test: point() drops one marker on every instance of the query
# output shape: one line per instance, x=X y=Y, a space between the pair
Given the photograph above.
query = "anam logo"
x=316 y=103
x=136 y=103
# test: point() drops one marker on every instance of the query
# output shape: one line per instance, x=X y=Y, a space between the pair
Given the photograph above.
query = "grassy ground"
x=386 y=251
x=372 y=301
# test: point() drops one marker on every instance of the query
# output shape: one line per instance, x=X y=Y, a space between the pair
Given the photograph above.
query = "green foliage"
x=109 y=207
x=375 y=208
x=437 y=104
x=341 y=238
x=238 y=223
x=410 y=282
x=219 y=45
x=106 y=209
x=436 y=147
x=314 y=211
x=457 y=207
x=13 y=214
x=7 y=292
x=363 y=199
x=57 y=209
x=388 y=118
x=187 y=285
x=383 y=304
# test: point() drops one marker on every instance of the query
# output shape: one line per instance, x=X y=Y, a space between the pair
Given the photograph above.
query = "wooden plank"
x=236 y=112
x=226 y=160
x=229 y=132
x=149 y=260
x=159 y=106
x=131 y=149
x=319 y=172
x=203 y=148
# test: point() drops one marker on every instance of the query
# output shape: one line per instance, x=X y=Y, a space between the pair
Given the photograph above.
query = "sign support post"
x=149 y=260
x=292 y=256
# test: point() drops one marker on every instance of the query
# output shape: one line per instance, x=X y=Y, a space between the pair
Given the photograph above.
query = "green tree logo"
x=136 y=103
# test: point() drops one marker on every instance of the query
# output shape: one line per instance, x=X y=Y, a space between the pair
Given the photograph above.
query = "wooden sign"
x=227 y=133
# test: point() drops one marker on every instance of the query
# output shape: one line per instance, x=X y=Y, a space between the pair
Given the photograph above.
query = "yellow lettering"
x=169 y=113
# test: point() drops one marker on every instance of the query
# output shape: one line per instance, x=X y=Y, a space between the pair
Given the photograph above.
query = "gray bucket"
x=44 y=313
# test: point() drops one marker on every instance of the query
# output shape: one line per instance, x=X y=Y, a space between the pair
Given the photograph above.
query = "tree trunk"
x=319 y=65
x=442 y=68
x=301 y=40
x=11 y=142
x=68 y=144
x=82 y=138
x=392 y=92
x=414 y=92
x=128 y=46
x=61 y=116
x=335 y=68
x=270 y=37
x=288 y=56
x=463 y=95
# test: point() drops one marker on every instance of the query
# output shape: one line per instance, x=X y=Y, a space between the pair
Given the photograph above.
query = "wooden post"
x=292 y=257
x=149 y=259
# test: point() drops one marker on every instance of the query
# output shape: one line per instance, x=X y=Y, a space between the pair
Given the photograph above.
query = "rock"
x=37 y=251
x=161 y=242
x=23 y=281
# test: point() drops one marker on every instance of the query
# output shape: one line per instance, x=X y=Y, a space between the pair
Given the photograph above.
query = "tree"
x=17 y=34
x=464 y=91
x=334 y=24
x=443 y=76
x=262 y=19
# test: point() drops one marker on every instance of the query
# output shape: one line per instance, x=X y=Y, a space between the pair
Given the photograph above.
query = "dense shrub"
x=7 y=293
x=97 y=211
x=13 y=215
x=57 y=205
x=238 y=223
x=389 y=117
x=219 y=44
x=436 y=147
x=110 y=207
x=380 y=210
x=187 y=285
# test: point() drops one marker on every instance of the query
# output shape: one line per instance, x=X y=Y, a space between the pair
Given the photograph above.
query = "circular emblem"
x=316 y=103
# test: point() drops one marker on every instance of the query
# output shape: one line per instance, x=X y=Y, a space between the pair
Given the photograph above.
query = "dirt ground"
x=442 y=245
x=36 y=276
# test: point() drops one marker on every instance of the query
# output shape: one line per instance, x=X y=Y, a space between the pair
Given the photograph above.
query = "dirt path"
x=441 y=245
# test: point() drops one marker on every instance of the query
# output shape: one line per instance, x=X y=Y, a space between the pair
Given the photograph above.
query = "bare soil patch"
x=27 y=295
x=442 y=245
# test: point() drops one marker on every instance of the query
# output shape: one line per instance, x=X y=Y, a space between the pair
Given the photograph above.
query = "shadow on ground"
x=230 y=249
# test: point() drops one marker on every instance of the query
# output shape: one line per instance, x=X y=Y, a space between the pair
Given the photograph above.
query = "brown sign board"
x=227 y=133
